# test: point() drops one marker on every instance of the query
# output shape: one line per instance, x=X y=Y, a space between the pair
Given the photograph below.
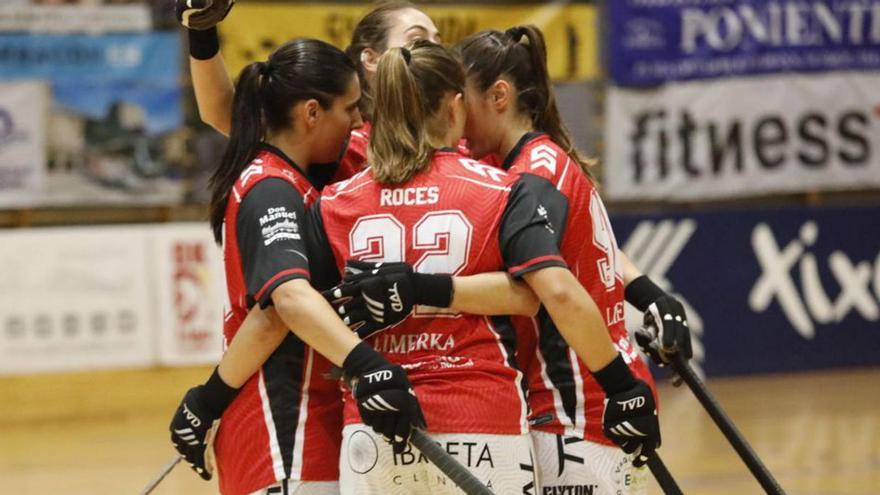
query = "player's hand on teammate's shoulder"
x=202 y=14
x=630 y=417
x=196 y=419
x=376 y=295
x=386 y=400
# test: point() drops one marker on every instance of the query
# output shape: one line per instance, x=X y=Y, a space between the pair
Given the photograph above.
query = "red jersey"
x=286 y=421
x=563 y=396
x=458 y=217
x=355 y=156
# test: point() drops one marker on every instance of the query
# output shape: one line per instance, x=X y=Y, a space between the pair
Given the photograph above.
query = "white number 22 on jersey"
x=443 y=238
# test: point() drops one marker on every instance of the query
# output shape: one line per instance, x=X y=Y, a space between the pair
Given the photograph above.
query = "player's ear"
x=501 y=95
x=457 y=110
x=312 y=112
x=370 y=60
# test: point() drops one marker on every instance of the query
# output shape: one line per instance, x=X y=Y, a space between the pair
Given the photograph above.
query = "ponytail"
x=265 y=92
x=520 y=54
x=372 y=32
x=246 y=133
x=409 y=87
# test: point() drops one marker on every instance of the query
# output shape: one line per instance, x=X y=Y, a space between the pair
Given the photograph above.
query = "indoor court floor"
x=106 y=433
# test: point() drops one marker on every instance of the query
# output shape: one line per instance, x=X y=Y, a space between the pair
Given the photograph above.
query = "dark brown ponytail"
x=520 y=54
x=265 y=92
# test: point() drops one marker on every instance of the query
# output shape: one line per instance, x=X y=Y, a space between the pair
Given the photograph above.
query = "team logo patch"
x=278 y=224
x=363 y=453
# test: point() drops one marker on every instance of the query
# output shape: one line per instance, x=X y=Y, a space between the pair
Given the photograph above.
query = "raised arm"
x=211 y=82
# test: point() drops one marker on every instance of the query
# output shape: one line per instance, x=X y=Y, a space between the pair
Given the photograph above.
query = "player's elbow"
x=218 y=121
x=553 y=286
x=290 y=297
x=527 y=303
x=557 y=296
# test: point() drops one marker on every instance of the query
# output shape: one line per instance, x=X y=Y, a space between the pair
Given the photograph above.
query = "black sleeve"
x=270 y=238
x=532 y=227
x=324 y=272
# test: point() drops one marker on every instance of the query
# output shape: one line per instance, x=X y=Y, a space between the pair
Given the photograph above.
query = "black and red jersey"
x=458 y=217
x=563 y=396
x=286 y=421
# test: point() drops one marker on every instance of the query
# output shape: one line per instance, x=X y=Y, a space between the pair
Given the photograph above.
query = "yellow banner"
x=252 y=30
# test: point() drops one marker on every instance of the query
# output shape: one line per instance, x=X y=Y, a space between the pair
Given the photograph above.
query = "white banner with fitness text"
x=743 y=137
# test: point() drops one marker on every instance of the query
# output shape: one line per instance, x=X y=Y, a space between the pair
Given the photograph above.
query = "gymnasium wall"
x=738 y=141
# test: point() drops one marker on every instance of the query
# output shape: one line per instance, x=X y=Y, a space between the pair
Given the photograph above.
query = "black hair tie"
x=516 y=33
x=265 y=69
x=407 y=55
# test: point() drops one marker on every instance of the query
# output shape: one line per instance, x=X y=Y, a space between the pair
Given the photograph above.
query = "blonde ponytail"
x=409 y=86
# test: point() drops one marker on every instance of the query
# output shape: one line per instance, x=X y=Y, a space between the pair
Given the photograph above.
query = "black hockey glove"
x=630 y=417
x=202 y=14
x=666 y=329
x=385 y=398
x=195 y=421
x=375 y=296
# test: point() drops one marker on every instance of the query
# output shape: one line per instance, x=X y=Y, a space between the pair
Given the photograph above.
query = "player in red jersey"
x=278 y=412
x=424 y=203
x=509 y=99
x=512 y=113
x=389 y=24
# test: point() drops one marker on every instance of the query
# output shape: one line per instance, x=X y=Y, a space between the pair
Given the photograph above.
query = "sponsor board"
x=768 y=290
x=744 y=137
x=24 y=106
x=93 y=19
x=75 y=299
x=190 y=288
x=114 y=132
x=569 y=28
x=110 y=297
x=654 y=41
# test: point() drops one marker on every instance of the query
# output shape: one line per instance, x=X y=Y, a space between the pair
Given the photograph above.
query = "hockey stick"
x=739 y=443
x=459 y=474
x=167 y=469
x=663 y=476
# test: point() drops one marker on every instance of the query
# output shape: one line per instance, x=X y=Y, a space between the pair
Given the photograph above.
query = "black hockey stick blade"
x=161 y=476
x=730 y=431
x=663 y=476
x=459 y=474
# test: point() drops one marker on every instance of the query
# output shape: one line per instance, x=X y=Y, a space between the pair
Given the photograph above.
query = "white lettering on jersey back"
x=544 y=156
x=483 y=170
x=406 y=343
x=410 y=196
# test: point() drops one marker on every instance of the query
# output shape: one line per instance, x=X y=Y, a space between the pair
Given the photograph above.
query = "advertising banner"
x=569 y=28
x=115 y=132
x=654 y=41
x=767 y=290
x=190 y=290
x=745 y=137
x=74 y=299
x=24 y=107
x=94 y=19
